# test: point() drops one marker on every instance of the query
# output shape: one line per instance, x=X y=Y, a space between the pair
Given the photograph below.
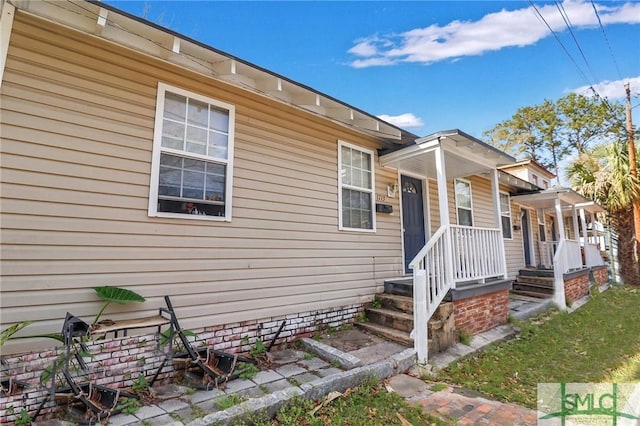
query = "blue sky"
x=425 y=65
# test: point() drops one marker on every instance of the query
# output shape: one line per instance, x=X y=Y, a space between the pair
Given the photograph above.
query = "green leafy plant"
x=115 y=295
x=376 y=304
x=129 y=405
x=141 y=385
x=22 y=418
x=10 y=331
x=465 y=337
x=258 y=349
x=228 y=401
x=247 y=370
x=438 y=387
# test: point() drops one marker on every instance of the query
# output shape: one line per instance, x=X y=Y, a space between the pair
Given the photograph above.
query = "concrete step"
x=400 y=287
x=390 y=318
x=401 y=337
x=396 y=302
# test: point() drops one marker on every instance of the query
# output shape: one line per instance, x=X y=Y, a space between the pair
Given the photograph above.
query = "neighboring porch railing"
x=453 y=254
x=566 y=258
x=592 y=256
x=547 y=251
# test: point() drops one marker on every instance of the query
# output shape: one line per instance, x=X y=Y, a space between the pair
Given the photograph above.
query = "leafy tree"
x=549 y=132
x=586 y=120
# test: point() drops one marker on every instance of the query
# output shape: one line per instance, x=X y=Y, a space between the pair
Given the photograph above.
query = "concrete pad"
x=324 y=372
x=238 y=385
x=122 y=419
x=286 y=356
x=266 y=377
x=167 y=391
x=277 y=386
x=201 y=396
x=302 y=378
x=290 y=370
x=407 y=386
x=378 y=352
x=254 y=392
x=172 y=405
x=148 y=411
x=350 y=340
x=313 y=364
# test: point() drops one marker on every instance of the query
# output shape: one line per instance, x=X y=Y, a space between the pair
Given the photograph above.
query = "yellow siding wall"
x=77 y=130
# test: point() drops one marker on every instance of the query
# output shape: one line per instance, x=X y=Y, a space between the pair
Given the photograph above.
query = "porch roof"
x=464 y=155
x=106 y=21
x=567 y=196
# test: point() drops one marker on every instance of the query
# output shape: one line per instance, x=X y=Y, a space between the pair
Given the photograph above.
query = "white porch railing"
x=453 y=254
x=477 y=253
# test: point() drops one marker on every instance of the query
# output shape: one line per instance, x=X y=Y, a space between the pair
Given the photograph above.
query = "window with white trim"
x=505 y=215
x=355 y=186
x=191 y=173
x=464 y=205
x=542 y=229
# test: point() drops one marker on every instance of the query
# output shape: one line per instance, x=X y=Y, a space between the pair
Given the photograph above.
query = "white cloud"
x=611 y=89
x=495 y=31
x=403 y=120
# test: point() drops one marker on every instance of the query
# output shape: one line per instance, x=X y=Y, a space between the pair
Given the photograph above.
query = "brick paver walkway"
x=475 y=410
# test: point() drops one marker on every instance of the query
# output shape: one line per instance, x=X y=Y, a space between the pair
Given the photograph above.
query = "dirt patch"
x=350 y=340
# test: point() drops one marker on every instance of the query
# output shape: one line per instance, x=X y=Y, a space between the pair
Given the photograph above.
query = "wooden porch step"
x=390 y=318
x=397 y=302
x=533 y=294
x=401 y=337
x=536 y=272
x=535 y=281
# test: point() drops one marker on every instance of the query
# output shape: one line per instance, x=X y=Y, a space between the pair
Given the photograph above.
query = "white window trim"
x=341 y=227
x=502 y=214
x=543 y=222
x=157 y=150
x=468 y=182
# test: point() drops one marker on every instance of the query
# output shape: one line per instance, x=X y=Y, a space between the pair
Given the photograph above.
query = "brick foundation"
x=576 y=285
x=600 y=274
x=118 y=362
x=481 y=313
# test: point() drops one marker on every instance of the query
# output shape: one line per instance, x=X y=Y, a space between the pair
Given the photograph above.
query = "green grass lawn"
x=600 y=342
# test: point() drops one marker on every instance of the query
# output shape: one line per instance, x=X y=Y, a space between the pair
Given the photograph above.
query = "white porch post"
x=443 y=204
x=576 y=231
x=495 y=191
x=558 y=270
x=420 y=338
x=585 y=237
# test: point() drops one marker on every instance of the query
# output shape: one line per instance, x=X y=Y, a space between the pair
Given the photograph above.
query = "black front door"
x=526 y=237
x=412 y=218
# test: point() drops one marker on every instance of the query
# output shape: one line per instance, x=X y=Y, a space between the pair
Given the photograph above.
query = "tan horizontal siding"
x=77 y=125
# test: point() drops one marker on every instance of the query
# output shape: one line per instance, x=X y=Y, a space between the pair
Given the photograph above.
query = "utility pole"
x=633 y=165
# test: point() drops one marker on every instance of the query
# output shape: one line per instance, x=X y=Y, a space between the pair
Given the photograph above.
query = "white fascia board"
x=6 y=24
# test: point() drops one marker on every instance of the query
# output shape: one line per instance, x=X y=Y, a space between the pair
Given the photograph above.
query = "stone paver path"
x=464 y=410
x=476 y=411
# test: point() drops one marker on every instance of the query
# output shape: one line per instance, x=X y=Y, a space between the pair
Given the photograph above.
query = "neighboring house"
x=135 y=157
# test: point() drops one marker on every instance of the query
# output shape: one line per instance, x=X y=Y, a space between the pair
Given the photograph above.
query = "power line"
x=567 y=22
x=564 y=48
x=615 y=62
